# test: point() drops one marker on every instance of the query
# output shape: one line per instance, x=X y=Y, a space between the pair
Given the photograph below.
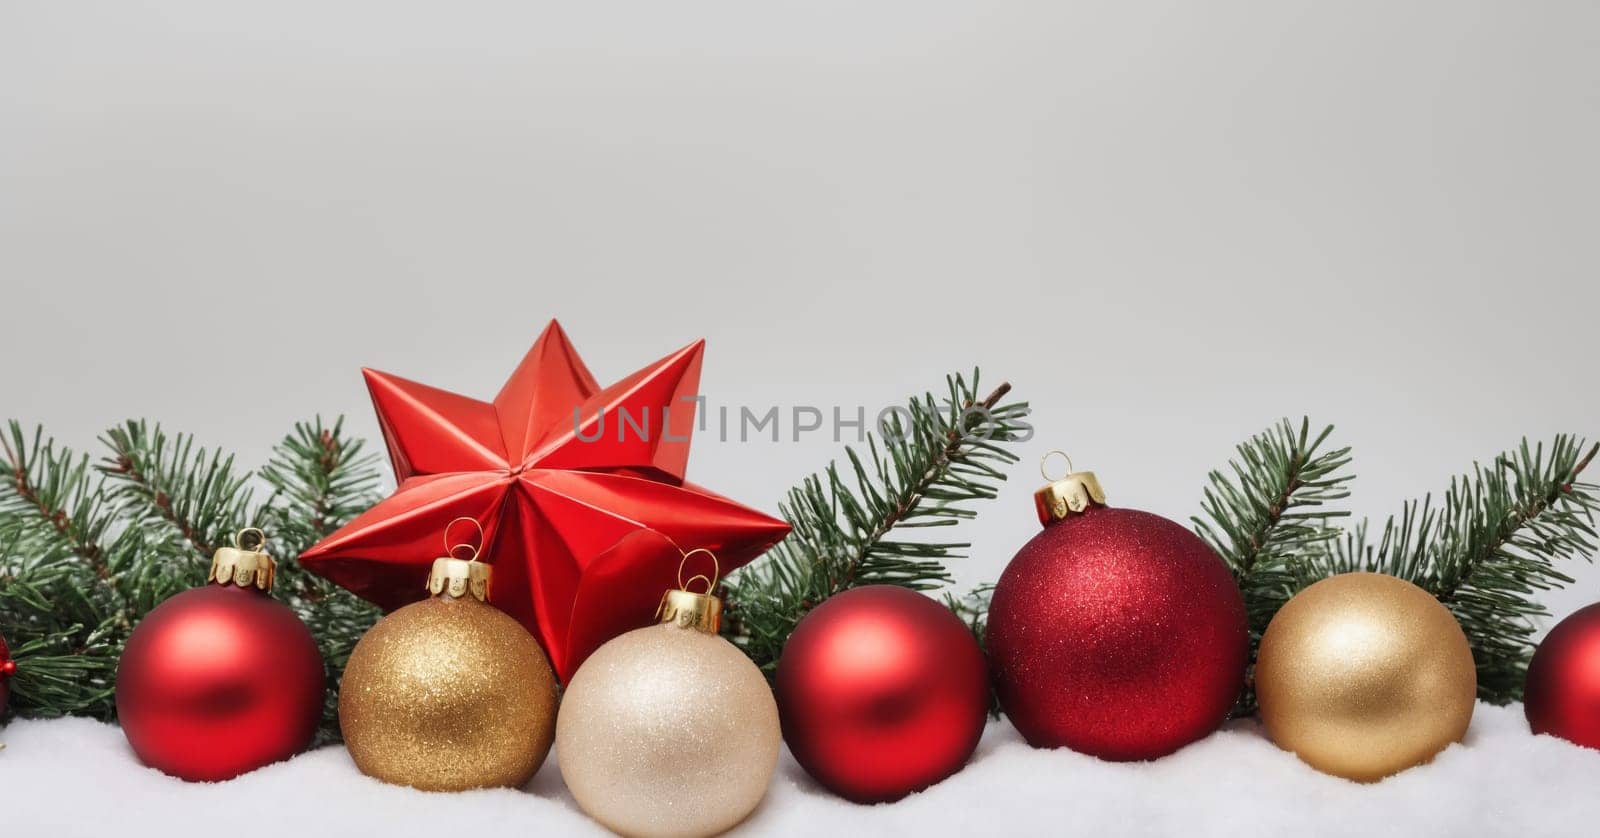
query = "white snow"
x=73 y=777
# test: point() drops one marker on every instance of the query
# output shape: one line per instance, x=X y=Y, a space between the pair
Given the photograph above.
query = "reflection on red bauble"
x=1115 y=632
x=882 y=691
x=1563 y=691
x=218 y=681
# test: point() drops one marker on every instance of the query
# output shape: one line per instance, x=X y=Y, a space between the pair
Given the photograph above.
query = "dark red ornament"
x=1563 y=691
x=1115 y=632
x=220 y=680
x=8 y=667
x=559 y=472
x=881 y=692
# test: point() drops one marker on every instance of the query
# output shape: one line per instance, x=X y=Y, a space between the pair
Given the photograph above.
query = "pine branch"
x=1270 y=515
x=70 y=625
x=86 y=552
x=1494 y=542
x=166 y=484
x=321 y=479
x=935 y=460
x=62 y=603
x=63 y=607
x=55 y=490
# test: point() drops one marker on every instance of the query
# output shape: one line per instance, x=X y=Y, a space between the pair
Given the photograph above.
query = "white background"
x=1167 y=223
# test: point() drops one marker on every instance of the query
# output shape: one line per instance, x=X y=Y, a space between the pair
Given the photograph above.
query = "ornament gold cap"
x=687 y=609
x=247 y=567
x=1071 y=494
x=460 y=578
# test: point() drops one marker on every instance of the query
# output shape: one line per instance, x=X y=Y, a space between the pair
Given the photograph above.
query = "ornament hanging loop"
x=687 y=609
x=252 y=533
x=1044 y=462
x=711 y=581
x=456 y=577
x=450 y=547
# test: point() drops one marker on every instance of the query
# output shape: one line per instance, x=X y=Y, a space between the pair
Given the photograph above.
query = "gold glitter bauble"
x=446 y=695
x=1364 y=675
x=668 y=731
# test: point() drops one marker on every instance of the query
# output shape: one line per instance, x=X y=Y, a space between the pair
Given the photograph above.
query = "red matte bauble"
x=1563 y=691
x=218 y=681
x=1117 y=633
x=882 y=691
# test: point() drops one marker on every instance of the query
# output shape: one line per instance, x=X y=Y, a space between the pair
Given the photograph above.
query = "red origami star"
x=580 y=492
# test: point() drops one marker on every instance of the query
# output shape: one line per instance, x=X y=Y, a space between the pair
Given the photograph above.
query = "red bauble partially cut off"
x=1119 y=634
x=882 y=692
x=218 y=681
x=7 y=667
x=1563 y=691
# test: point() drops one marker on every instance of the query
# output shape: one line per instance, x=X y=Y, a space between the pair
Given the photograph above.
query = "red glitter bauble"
x=1563 y=692
x=218 y=681
x=882 y=692
x=1119 y=634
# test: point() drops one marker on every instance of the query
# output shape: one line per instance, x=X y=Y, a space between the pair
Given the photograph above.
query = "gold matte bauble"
x=448 y=694
x=1363 y=675
x=668 y=731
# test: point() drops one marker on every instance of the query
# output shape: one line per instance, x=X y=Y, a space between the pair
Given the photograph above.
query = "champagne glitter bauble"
x=449 y=694
x=882 y=692
x=223 y=679
x=669 y=730
x=1563 y=694
x=1364 y=675
x=1114 y=632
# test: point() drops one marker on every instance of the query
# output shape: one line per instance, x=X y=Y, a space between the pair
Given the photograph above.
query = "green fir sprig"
x=1500 y=535
x=1269 y=511
x=88 y=548
x=185 y=498
x=931 y=465
x=321 y=479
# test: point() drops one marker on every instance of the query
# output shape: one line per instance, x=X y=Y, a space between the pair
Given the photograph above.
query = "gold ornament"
x=1363 y=675
x=449 y=693
x=669 y=730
